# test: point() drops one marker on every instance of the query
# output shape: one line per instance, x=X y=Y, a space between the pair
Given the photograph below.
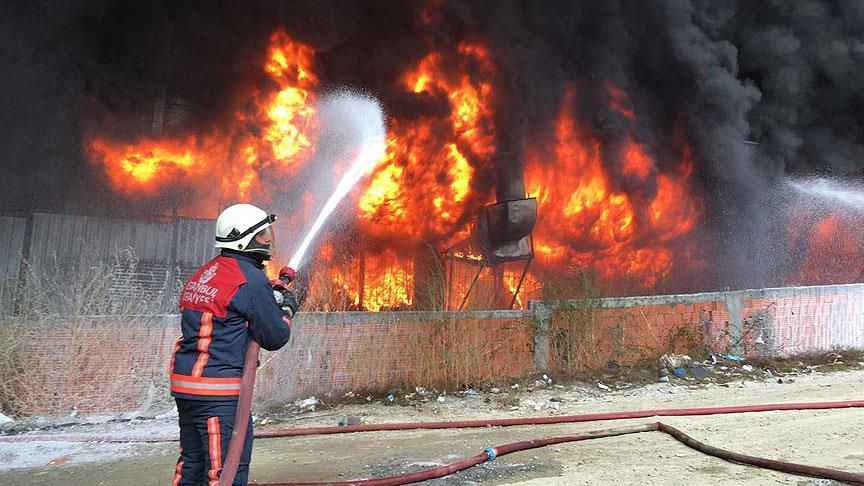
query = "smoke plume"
x=756 y=90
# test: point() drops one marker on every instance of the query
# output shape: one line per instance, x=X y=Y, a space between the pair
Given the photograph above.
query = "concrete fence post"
x=542 y=323
x=735 y=304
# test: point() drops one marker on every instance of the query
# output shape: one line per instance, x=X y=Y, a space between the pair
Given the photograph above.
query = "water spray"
x=355 y=118
x=364 y=119
x=849 y=195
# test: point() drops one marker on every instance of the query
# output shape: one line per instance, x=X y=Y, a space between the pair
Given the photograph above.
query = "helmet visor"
x=263 y=241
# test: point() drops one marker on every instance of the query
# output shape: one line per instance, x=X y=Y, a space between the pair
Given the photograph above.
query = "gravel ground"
x=831 y=438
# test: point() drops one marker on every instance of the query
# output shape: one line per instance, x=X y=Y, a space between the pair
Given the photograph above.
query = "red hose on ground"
x=487 y=455
x=787 y=467
x=590 y=417
x=491 y=453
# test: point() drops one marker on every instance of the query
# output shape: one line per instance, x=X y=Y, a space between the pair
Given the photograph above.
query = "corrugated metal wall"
x=13 y=232
x=64 y=242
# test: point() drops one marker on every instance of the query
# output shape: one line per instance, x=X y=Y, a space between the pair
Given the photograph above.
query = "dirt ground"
x=831 y=438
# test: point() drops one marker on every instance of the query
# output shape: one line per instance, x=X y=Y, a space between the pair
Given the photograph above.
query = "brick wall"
x=105 y=364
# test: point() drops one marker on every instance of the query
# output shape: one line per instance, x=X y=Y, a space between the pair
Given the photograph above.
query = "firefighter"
x=227 y=302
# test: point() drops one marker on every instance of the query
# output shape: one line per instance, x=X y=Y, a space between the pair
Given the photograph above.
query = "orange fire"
x=584 y=222
x=424 y=187
x=150 y=166
x=826 y=249
x=430 y=161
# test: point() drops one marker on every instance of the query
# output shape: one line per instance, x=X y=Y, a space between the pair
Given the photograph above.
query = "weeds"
x=92 y=308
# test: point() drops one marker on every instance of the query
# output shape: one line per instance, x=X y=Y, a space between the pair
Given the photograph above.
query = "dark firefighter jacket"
x=224 y=304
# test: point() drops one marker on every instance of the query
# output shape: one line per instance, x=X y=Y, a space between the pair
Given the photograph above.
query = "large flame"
x=424 y=188
x=236 y=152
x=585 y=223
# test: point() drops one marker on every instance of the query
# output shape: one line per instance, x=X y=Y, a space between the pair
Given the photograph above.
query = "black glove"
x=286 y=300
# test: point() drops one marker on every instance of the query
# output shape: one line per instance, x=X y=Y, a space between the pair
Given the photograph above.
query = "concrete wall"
x=109 y=364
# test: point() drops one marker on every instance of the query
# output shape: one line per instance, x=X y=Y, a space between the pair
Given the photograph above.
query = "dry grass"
x=89 y=305
x=574 y=340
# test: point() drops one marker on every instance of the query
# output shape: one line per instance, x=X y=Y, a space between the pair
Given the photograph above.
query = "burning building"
x=529 y=143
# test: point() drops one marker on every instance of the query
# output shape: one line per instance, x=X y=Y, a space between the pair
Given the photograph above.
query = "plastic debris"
x=390 y=398
x=664 y=379
x=679 y=372
x=602 y=386
x=514 y=386
x=487 y=400
x=673 y=361
x=471 y=393
x=307 y=403
x=4 y=419
x=494 y=390
x=699 y=372
x=441 y=399
x=748 y=368
x=731 y=357
x=769 y=373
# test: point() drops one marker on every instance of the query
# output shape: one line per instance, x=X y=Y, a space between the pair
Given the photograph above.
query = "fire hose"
x=489 y=454
x=244 y=409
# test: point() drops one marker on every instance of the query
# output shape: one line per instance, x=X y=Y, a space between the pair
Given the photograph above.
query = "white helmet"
x=238 y=224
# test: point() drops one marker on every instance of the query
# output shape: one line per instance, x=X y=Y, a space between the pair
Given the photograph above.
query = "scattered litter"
x=514 y=386
x=60 y=460
x=531 y=403
x=4 y=419
x=494 y=390
x=350 y=394
x=748 y=368
x=441 y=399
x=673 y=361
x=390 y=398
x=769 y=373
x=471 y=393
x=307 y=404
x=664 y=379
x=420 y=390
x=679 y=372
x=487 y=400
x=602 y=386
x=699 y=372
x=731 y=357
x=540 y=384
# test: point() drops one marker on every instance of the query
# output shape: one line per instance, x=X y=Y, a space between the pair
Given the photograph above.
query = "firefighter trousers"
x=205 y=433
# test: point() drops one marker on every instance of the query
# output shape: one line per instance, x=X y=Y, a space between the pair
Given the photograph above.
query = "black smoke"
x=715 y=74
